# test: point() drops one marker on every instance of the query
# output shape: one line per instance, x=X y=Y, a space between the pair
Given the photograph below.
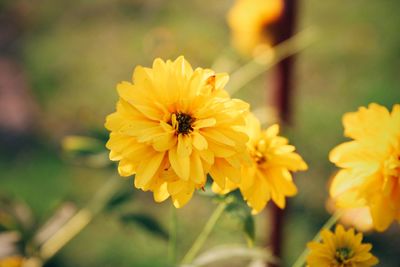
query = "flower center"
x=259 y=152
x=259 y=157
x=182 y=123
x=343 y=254
x=392 y=166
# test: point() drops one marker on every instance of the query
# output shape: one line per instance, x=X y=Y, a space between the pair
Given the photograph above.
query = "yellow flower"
x=13 y=261
x=340 y=249
x=268 y=176
x=173 y=126
x=370 y=174
x=250 y=21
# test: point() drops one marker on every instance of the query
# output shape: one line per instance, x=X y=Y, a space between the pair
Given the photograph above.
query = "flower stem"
x=80 y=220
x=328 y=225
x=266 y=60
x=173 y=233
x=198 y=244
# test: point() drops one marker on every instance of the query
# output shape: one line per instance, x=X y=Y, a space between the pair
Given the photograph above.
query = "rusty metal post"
x=282 y=87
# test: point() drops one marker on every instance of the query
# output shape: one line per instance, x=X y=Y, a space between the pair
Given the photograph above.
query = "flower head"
x=370 y=174
x=250 y=20
x=268 y=176
x=173 y=126
x=340 y=249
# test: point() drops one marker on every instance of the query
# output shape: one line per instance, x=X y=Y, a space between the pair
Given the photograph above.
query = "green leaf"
x=119 y=199
x=146 y=222
x=249 y=229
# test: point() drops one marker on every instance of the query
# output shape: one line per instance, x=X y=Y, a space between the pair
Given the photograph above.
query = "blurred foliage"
x=145 y=221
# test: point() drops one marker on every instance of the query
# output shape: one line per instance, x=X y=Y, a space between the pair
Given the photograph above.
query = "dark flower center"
x=259 y=158
x=343 y=254
x=182 y=123
x=259 y=154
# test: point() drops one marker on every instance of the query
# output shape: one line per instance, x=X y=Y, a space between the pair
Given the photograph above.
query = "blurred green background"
x=69 y=55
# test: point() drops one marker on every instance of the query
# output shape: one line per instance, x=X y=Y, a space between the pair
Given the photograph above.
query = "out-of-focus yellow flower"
x=250 y=21
x=268 y=177
x=359 y=218
x=340 y=249
x=13 y=261
x=370 y=174
x=173 y=126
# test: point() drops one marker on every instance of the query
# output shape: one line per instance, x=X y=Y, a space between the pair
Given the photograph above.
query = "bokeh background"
x=60 y=62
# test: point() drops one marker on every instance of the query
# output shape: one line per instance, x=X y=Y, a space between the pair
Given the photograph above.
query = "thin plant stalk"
x=80 y=220
x=201 y=239
x=328 y=225
x=173 y=236
x=268 y=59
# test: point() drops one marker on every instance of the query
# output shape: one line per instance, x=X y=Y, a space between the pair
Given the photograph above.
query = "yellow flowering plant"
x=177 y=131
x=340 y=249
x=268 y=176
x=370 y=164
x=173 y=126
x=251 y=23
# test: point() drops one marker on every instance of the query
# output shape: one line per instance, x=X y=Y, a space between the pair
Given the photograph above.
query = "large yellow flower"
x=250 y=20
x=268 y=176
x=173 y=126
x=370 y=174
x=340 y=249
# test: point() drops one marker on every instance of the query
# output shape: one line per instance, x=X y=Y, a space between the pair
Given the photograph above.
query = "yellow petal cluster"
x=370 y=164
x=250 y=20
x=340 y=249
x=268 y=177
x=173 y=126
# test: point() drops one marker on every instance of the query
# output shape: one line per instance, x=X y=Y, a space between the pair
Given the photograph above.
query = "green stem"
x=80 y=220
x=201 y=239
x=173 y=233
x=266 y=60
x=328 y=225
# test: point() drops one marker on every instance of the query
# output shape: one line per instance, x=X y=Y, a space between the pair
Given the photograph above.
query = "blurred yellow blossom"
x=173 y=126
x=268 y=177
x=340 y=249
x=250 y=22
x=13 y=261
x=370 y=174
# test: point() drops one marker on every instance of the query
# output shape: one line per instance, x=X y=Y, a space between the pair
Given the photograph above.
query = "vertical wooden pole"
x=282 y=88
x=284 y=70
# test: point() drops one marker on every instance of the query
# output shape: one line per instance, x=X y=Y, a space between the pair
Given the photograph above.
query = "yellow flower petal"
x=147 y=169
x=199 y=141
x=183 y=196
x=161 y=193
x=179 y=163
x=196 y=169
